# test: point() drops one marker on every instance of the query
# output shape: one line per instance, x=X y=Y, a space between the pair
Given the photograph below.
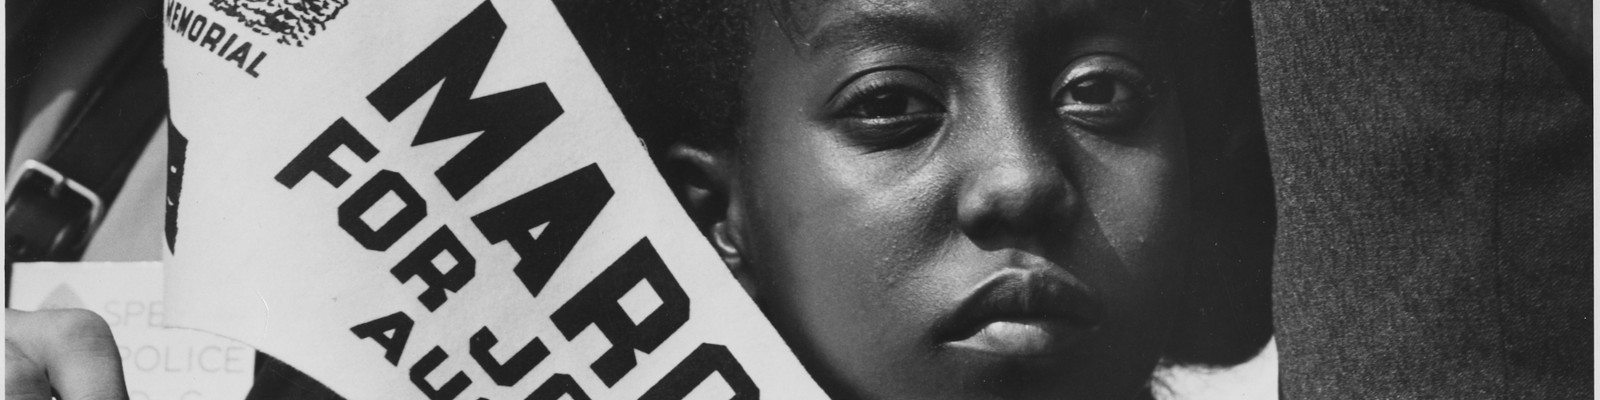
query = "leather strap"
x=57 y=203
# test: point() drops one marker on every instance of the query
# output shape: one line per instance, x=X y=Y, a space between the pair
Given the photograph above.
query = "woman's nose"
x=1016 y=189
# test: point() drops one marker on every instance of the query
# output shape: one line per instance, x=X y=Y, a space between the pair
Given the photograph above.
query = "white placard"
x=500 y=235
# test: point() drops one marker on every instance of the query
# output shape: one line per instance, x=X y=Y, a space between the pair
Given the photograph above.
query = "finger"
x=76 y=349
x=25 y=379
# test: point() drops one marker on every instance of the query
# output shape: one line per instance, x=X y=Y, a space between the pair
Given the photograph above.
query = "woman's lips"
x=1021 y=313
x=1023 y=338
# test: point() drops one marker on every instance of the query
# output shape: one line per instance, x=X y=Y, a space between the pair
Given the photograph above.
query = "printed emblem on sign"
x=62 y=297
x=291 y=22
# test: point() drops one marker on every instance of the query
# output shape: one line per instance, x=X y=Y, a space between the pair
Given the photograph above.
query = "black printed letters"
x=597 y=304
x=543 y=226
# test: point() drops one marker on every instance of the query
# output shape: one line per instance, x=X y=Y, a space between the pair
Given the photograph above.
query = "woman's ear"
x=704 y=182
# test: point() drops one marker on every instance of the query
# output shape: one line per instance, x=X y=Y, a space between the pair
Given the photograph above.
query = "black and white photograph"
x=799 y=199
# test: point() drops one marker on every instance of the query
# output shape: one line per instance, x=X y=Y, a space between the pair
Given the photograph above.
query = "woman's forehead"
x=808 y=16
x=822 y=24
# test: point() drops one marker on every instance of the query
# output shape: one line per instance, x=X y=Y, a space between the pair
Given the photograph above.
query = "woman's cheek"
x=1138 y=192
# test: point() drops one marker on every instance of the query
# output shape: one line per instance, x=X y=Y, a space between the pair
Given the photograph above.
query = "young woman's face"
x=963 y=199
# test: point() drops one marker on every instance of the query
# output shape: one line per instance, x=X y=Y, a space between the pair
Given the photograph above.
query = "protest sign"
x=157 y=363
x=438 y=199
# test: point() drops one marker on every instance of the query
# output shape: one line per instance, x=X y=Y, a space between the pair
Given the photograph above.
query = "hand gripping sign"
x=438 y=199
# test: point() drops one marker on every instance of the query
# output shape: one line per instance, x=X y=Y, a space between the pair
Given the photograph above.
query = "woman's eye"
x=1104 y=94
x=891 y=104
x=888 y=109
x=1098 y=90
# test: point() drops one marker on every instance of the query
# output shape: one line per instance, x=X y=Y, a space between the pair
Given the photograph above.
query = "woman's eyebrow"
x=882 y=29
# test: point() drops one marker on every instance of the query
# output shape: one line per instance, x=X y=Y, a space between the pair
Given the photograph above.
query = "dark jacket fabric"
x=1433 y=169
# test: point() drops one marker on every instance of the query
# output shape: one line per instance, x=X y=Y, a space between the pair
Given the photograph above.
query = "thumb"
x=75 y=348
x=25 y=378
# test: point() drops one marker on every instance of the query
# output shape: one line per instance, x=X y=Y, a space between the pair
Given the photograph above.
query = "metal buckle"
x=49 y=217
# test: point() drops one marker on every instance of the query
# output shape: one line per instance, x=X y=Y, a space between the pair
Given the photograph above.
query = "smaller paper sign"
x=158 y=363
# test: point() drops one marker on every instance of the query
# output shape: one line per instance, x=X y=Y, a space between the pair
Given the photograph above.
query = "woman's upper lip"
x=1021 y=295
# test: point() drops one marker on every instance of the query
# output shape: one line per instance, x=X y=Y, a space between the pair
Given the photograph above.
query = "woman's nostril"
x=984 y=228
x=1016 y=199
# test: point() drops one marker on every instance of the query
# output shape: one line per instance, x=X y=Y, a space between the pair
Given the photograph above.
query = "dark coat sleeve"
x=1433 y=168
